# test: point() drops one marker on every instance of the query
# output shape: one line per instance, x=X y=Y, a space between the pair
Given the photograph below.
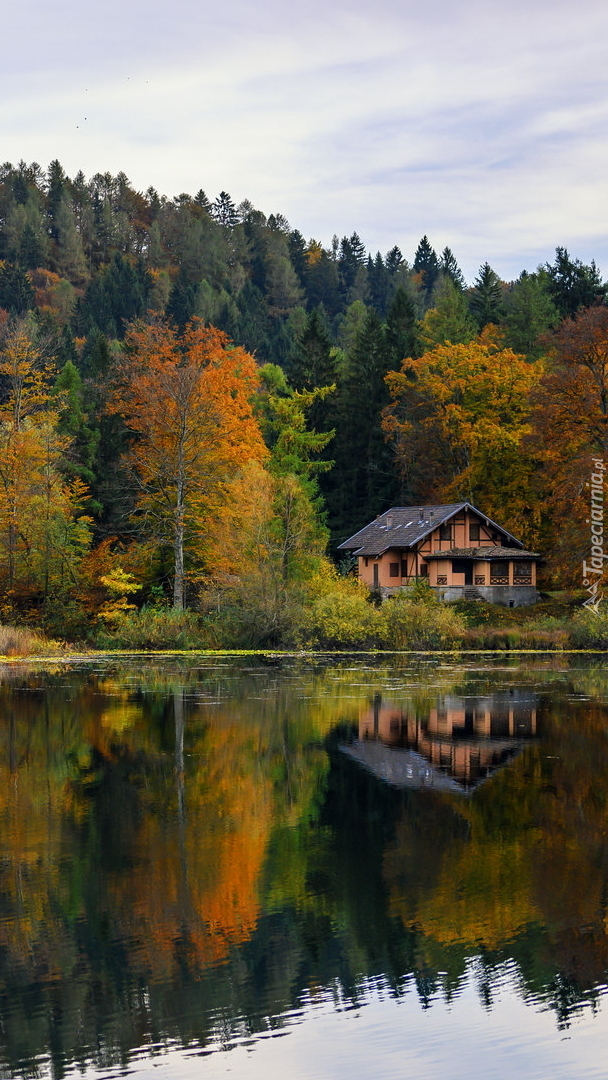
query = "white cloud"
x=481 y=126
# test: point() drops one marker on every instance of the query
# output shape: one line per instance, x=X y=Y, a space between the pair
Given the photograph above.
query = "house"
x=460 y=552
x=453 y=745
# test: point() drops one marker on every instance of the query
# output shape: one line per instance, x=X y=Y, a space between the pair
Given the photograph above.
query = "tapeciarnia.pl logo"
x=594 y=569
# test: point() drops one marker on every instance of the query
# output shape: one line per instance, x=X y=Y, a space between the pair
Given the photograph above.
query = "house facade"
x=460 y=552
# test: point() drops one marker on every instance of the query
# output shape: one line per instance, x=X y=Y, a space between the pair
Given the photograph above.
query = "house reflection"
x=452 y=746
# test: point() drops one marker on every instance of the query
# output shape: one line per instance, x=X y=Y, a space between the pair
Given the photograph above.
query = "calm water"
x=313 y=870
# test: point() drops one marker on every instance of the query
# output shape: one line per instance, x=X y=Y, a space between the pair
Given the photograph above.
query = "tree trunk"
x=178 y=549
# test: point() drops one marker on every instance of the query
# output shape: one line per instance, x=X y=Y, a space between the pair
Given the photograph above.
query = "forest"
x=198 y=404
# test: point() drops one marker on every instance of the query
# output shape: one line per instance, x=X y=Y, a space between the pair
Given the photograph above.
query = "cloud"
x=480 y=126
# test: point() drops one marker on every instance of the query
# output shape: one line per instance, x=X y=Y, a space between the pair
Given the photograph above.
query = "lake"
x=259 y=867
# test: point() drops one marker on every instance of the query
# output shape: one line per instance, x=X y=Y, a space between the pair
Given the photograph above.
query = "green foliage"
x=337 y=614
x=529 y=313
x=486 y=297
x=153 y=627
x=573 y=285
x=590 y=631
x=448 y=320
x=416 y=620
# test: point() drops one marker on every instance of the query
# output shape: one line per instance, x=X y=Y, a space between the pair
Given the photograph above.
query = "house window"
x=424 y=569
x=499 y=572
x=522 y=573
x=403 y=568
x=474 y=531
x=445 y=532
x=366 y=561
x=393 y=569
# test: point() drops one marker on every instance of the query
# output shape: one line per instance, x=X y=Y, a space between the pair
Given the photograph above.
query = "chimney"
x=389 y=521
x=421 y=515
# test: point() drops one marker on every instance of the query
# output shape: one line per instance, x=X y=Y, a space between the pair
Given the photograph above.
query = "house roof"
x=488 y=552
x=405 y=526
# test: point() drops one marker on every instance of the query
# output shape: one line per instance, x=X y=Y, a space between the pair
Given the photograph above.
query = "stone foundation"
x=505 y=595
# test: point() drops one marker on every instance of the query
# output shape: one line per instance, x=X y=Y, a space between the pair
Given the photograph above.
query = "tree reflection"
x=185 y=852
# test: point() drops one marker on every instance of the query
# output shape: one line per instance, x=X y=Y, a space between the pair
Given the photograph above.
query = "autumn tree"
x=186 y=399
x=456 y=421
x=273 y=535
x=570 y=427
x=43 y=532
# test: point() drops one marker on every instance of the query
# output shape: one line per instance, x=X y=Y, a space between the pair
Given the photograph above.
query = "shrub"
x=337 y=614
x=416 y=620
x=590 y=631
x=153 y=627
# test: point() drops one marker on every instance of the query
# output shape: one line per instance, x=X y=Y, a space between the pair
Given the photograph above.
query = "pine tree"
x=529 y=313
x=573 y=285
x=426 y=264
x=486 y=297
x=16 y=293
x=450 y=268
x=363 y=479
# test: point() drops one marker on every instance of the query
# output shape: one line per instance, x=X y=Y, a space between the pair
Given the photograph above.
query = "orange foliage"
x=186 y=398
x=457 y=419
x=570 y=427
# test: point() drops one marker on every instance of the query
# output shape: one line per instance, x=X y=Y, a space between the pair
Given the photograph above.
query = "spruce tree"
x=426 y=264
x=486 y=297
x=573 y=285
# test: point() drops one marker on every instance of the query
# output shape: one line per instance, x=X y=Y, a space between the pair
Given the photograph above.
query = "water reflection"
x=451 y=746
x=188 y=858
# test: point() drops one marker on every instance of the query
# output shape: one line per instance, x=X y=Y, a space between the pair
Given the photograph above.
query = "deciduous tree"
x=457 y=419
x=187 y=400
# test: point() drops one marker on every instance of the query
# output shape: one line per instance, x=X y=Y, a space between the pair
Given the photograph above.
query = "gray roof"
x=405 y=526
x=490 y=551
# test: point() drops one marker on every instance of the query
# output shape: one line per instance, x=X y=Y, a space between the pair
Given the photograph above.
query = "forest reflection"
x=187 y=852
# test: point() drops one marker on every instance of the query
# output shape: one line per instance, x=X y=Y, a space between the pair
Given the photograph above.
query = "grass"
x=22 y=641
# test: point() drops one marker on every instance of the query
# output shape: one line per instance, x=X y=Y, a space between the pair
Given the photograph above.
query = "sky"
x=481 y=125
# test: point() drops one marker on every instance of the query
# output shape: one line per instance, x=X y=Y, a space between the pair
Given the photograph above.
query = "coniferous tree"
x=351 y=258
x=379 y=285
x=400 y=330
x=182 y=301
x=16 y=293
x=573 y=285
x=426 y=264
x=311 y=364
x=529 y=313
x=224 y=210
x=73 y=422
x=450 y=268
x=56 y=188
x=364 y=479
x=394 y=260
x=486 y=296
x=321 y=280
x=448 y=320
